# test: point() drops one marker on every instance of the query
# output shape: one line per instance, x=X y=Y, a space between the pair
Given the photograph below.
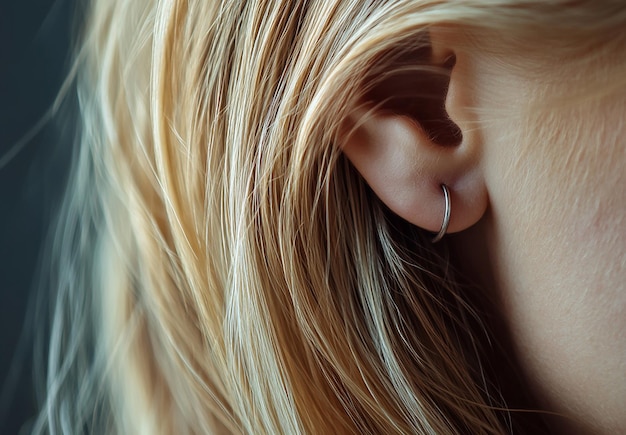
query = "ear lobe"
x=406 y=155
x=406 y=169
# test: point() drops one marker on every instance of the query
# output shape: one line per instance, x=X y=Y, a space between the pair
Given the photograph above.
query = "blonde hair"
x=221 y=266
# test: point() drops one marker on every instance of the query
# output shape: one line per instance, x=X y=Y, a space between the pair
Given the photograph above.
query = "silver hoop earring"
x=446 y=215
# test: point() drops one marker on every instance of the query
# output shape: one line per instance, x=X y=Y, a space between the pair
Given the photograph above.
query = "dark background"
x=35 y=46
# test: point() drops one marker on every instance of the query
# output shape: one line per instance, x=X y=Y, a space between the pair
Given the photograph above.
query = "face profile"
x=343 y=217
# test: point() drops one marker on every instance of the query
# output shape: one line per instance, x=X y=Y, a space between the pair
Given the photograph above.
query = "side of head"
x=265 y=178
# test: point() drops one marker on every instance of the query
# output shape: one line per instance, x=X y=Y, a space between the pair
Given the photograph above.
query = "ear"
x=413 y=132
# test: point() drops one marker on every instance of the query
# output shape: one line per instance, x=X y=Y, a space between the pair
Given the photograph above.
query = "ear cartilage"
x=446 y=215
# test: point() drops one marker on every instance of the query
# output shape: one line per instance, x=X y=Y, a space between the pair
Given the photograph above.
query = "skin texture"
x=555 y=239
x=541 y=168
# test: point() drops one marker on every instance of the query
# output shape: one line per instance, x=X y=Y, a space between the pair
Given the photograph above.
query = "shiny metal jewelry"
x=446 y=215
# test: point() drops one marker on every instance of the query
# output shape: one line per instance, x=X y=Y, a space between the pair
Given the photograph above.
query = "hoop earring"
x=446 y=215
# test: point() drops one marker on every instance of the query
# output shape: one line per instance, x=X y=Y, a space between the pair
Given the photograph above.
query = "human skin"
x=538 y=203
x=553 y=241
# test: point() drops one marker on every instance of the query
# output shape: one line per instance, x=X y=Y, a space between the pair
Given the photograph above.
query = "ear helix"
x=446 y=215
x=400 y=138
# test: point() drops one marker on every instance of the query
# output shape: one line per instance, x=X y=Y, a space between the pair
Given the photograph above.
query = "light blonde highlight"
x=241 y=277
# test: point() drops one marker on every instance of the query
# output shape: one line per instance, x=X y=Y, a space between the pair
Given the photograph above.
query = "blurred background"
x=35 y=46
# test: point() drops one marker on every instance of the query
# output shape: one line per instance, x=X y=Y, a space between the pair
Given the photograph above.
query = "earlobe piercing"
x=446 y=215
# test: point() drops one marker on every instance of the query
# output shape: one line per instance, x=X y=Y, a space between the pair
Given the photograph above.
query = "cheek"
x=557 y=190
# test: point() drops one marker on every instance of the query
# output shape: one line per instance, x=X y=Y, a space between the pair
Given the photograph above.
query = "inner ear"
x=407 y=82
